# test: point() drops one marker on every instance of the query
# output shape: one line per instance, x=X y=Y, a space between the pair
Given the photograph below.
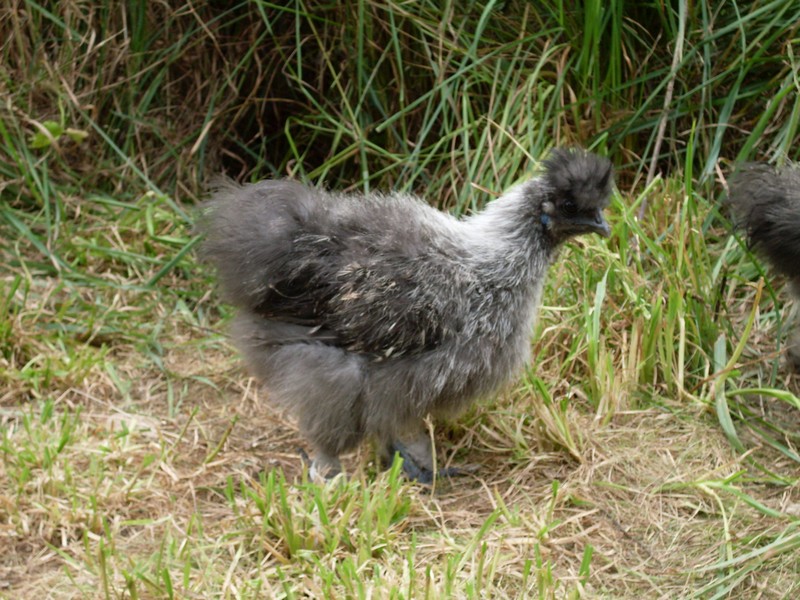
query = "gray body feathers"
x=765 y=202
x=363 y=314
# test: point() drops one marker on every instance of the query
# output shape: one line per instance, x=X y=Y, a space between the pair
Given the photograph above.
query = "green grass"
x=651 y=446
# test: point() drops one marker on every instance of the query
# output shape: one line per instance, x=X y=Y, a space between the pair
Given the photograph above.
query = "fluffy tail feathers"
x=250 y=232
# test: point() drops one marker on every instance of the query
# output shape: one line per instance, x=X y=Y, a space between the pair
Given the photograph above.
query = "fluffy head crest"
x=766 y=203
x=580 y=177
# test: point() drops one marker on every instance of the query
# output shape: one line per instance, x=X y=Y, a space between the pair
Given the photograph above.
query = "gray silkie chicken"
x=362 y=315
x=765 y=202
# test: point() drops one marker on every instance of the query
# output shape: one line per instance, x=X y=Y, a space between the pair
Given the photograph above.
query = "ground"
x=166 y=472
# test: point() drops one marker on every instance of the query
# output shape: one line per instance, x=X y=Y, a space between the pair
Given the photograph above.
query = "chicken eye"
x=569 y=208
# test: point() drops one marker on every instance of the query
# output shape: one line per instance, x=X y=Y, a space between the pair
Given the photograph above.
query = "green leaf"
x=43 y=139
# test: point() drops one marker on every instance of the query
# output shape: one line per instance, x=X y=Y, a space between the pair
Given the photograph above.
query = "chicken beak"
x=601 y=226
x=590 y=223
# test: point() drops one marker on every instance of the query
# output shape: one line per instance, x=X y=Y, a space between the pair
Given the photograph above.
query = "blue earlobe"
x=546 y=220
